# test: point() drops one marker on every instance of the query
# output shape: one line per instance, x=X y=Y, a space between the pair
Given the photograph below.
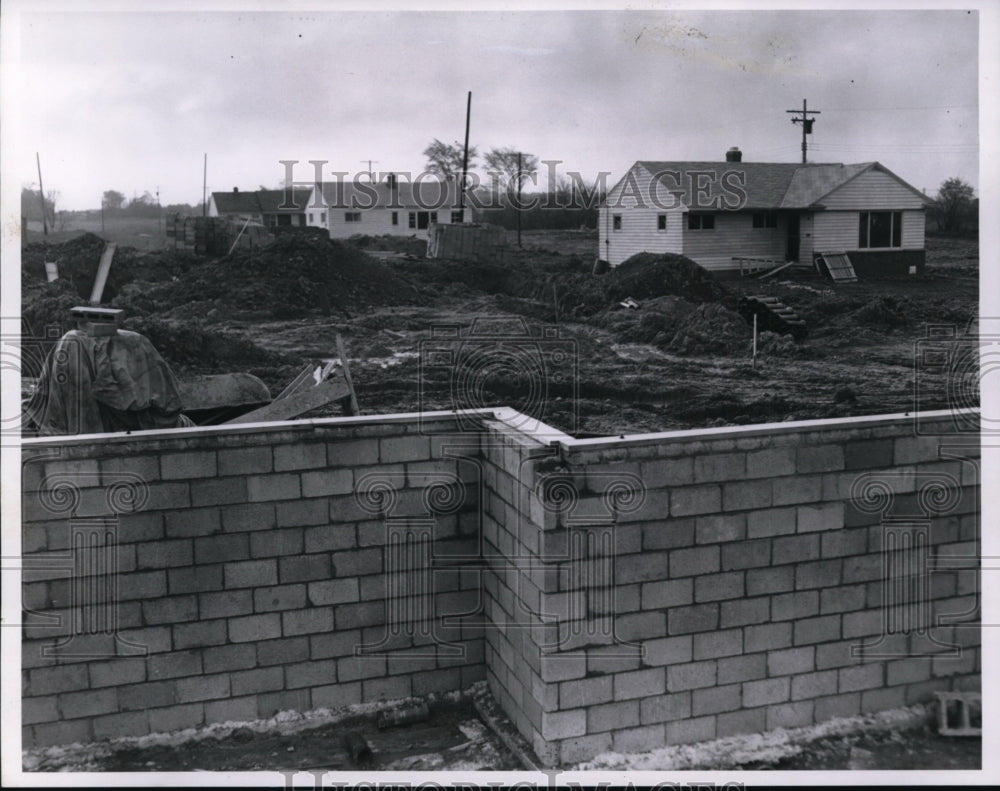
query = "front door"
x=792 y=248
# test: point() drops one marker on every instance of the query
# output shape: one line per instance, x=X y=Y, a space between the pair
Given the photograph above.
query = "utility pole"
x=519 y=206
x=465 y=157
x=204 y=188
x=371 y=178
x=41 y=191
x=807 y=124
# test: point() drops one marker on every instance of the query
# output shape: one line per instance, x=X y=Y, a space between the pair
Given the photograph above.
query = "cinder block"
x=314 y=619
x=319 y=672
x=357 y=563
x=173 y=609
x=229 y=657
x=765 y=691
x=868 y=454
x=770 y=522
x=668 y=534
x=146 y=467
x=791 y=661
x=824 y=629
x=741 y=612
x=843 y=598
x=196 y=579
x=361 y=614
x=352 y=453
x=390 y=688
x=770 y=580
x=581 y=748
x=864 y=622
x=908 y=671
x=442 y=680
x=225 y=547
x=138 y=527
x=335 y=591
x=663 y=708
x=263 y=679
x=352 y=668
x=274 y=543
x=770 y=462
x=719 y=467
x=818 y=574
x=638 y=683
x=277 y=486
x=335 y=696
x=717 y=644
x=248 y=517
x=244 y=461
x=836 y=654
x=49 y=733
x=639 y=567
x=139 y=697
x=798 y=489
x=846 y=541
x=283 y=651
x=611 y=716
x=712 y=587
x=639 y=626
x=862 y=568
x=299 y=456
x=697 y=729
x=819 y=458
x=814 y=685
x=795 y=549
x=406 y=448
x=790 y=715
x=139 y=585
x=73 y=705
x=853 y=679
x=302 y=512
x=735 y=722
x=164 y=554
x=741 y=668
x=218 y=491
x=187 y=522
x=252 y=573
x=175 y=718
x=155 y=639
x=883 y=699
x=35 y=710
x=812 y=518
x=639 y=740
x=190 y=464
x=223 y=604
x=746 y=495
x=133 y=723
x=323 y=483
x=715 y=700
x=847 y=705
x=164 y=666
x=697 y=560
x=564 y=724
x=670 y=472
x=910 y=450
x=691 y=500
x=232 y=710
x=254 y=627
x=282 y=597
x=696 y=618
x=329 y=537
x=720 y=528
x=746 y=554
x=202 y=688
x=667 y=593
x=694 y=675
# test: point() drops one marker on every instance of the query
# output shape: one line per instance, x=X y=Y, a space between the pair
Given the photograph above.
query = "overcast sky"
x=132 y=101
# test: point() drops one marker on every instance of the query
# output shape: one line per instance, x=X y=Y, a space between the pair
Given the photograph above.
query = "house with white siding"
x=392 y=206
x=718 y=212
x=270 y=208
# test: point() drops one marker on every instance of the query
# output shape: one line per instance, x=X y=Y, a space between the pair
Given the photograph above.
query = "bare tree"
x=446 y=160
x=954 y=204
x=516 y=167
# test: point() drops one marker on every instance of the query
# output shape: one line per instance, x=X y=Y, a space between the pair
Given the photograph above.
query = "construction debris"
x=467 y=242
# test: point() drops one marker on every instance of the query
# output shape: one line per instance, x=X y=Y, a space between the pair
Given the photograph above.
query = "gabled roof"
x=425 y=194
x=260 y=202
x=768 y=185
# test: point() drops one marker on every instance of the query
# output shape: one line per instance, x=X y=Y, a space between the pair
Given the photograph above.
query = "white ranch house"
x=392 y=206
x=717 y=212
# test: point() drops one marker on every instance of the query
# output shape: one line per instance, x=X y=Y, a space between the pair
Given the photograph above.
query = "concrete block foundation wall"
x=616 y=594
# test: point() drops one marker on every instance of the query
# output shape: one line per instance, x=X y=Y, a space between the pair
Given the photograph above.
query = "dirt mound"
x=411 y=245
x=294 y=277
x=710 y=328
x=883 y=312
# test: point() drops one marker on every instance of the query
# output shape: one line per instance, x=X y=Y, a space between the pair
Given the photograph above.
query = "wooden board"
x=839 y=266
x=102 y=273
x=291 y=406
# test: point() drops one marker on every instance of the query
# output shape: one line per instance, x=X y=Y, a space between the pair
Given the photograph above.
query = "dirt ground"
x=548 y=337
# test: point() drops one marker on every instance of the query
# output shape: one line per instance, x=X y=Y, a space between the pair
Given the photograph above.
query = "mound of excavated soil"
x=293 y=277
x=710 y=328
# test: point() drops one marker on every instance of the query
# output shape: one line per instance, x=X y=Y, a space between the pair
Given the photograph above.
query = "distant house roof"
x=260 y=202
x=768 y=185
x=426 y=193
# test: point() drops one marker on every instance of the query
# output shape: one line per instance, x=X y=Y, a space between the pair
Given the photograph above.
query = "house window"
x=352 y=216
x=616 y=222
x=765 y=219
x=322 y=217
x=421 y=219
x=457 y=217
x=701 y=222
x=661 y=222
x=880 y=229
x=395 y=218
x=311 y=218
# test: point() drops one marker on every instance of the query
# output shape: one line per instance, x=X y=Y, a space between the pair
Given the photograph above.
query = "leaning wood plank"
x=297 y=404
x=102 y=273
x=775 y=271
x=296 y=383
x=347 y=376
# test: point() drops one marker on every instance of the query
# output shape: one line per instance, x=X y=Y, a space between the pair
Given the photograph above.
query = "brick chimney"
x=734 y=155
x=236 y=189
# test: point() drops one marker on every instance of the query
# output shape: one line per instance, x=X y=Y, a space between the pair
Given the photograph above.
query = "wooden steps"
x=773 y=315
